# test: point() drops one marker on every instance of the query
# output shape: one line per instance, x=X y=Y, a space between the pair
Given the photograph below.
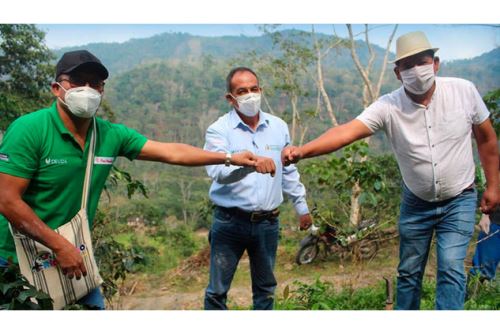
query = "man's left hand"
x=489 y=201
x=305 y=221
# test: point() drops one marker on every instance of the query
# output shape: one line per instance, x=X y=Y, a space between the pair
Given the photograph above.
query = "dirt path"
x=186 y=291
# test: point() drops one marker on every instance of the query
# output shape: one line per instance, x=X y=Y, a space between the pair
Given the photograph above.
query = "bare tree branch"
x=357 y=62
x=320 y=81
x=384 y=62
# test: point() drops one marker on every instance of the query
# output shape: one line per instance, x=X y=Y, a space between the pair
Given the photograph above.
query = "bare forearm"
x=335 y=138
x=180 y=154
x=24 y=219
x=188 y=155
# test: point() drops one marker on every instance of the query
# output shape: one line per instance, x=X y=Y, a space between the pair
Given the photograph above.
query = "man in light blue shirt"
x=246 y=212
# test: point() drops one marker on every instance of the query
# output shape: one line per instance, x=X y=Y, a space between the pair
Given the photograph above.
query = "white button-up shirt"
x=432 y=144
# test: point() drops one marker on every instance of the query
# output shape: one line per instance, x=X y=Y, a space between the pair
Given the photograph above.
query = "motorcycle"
x=362 y=243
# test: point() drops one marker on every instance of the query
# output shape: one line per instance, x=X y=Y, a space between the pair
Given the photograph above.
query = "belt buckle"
x=254 y=217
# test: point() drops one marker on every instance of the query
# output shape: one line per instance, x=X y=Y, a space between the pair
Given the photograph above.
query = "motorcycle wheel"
x=307 y=253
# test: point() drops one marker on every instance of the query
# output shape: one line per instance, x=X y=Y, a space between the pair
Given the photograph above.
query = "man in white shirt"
x=429 y=121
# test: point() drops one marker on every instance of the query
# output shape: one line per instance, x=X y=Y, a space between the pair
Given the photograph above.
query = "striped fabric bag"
x=39 y=265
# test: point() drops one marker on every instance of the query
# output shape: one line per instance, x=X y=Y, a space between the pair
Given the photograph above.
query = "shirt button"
x=432 y=145
x=430 y=126
x=435 y=164
x=437 y=182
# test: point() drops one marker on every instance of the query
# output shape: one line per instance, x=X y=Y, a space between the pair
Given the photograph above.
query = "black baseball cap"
x=83 y=59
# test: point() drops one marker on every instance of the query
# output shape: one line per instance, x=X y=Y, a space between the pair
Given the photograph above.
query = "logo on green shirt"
x=50 y=161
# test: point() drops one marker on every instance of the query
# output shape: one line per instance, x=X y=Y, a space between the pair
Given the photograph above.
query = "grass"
x=333 y=283
x=322 y=295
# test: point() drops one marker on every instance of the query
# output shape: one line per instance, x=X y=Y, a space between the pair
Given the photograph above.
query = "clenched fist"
x=244 y=159
x=489 y=201
x=248 y=159
x=291 y=155
x=265 y=165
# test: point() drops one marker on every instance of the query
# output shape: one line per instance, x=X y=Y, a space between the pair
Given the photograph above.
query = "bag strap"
x=90 y=164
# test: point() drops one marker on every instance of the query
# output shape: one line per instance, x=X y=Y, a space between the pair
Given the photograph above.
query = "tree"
x=295 y=56
x=25 y=71
x=371 y=92
x=492 y=101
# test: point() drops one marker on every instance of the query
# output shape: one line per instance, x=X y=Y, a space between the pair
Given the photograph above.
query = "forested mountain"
x=175 y=47
x=483 y=70
x=171 y=87
x=121 y=57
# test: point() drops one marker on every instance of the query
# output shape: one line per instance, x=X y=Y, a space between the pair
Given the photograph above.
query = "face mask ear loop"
x=65 y=91
x=235 y=100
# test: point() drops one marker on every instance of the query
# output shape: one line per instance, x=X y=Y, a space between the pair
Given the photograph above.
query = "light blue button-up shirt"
x=242 y=187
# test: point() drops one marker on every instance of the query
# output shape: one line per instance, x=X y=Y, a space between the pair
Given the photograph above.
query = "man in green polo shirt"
x=43 y=160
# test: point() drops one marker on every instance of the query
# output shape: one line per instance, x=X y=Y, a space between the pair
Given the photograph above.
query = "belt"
x=470 y=187
x=252 y=216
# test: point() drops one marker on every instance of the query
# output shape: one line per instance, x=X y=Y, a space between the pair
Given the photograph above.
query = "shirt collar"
x=57 y=120
x=236 y=121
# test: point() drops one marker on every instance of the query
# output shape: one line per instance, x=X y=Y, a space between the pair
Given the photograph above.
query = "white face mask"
x=82 y=101
x=248 y=104
x=418 y=79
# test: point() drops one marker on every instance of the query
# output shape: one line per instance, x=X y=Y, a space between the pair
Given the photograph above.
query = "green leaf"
x=286 y=292
x=27 y=294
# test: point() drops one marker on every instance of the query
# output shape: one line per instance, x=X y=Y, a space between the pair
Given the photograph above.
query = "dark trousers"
x=229 y=237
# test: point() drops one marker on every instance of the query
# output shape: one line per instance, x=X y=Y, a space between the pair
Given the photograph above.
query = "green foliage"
x=175 y=244
x=482 y=294
x=344 y=171
x=492 y=101
x=114 y=260
x=333 y=179
x=25 y=71
x=205 y=208
x=321 y=295
x=118 y=175
x=16 y=293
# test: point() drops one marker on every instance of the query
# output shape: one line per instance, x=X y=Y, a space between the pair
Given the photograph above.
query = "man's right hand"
x=248 y=159
x=291 y=155
x=70 y=261
x=265 y=165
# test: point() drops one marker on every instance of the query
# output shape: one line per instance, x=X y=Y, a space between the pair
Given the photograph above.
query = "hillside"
x=483 y=70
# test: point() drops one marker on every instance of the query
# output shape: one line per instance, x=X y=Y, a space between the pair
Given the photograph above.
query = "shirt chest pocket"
x=455 y=125
x=272 y=150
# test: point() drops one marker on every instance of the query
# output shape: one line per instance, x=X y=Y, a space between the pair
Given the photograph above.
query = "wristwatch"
x=227 y=162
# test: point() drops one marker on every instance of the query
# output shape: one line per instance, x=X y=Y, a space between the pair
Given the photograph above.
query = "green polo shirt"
x=38 y=147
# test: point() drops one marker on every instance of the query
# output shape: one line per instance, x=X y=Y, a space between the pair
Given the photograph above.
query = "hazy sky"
x=461 y=30
x=455 y=41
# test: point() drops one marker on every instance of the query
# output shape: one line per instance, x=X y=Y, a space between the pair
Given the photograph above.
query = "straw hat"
x=410 y=44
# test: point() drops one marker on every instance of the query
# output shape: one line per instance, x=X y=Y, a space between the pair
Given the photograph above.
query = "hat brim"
x=92 y=66
x=412 y=53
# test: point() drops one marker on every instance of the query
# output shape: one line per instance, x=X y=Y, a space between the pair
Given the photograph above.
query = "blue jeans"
x=94 y=299
x=453 y=222
x=487 y=254
x=229 y=237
